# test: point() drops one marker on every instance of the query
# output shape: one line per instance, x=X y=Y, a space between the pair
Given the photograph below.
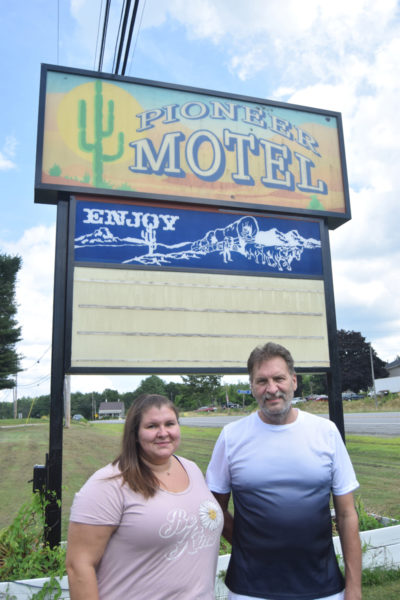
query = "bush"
x=365 y=520
x=24 y=552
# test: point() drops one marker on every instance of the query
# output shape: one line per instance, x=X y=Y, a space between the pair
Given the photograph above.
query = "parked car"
x=351 y=396
x=78 y=418
x=232 y=405
x=298 y=399
x=206 y=409
x=321 y=398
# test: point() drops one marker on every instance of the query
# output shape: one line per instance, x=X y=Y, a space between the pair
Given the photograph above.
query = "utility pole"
x=373 y=374
x=67 y=401
x=15 y=399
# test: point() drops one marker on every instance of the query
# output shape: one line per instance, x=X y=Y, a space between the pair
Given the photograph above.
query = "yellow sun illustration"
x=98 y=113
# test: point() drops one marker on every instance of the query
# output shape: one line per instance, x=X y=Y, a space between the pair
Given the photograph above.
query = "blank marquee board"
x=135 y=308
x=163 y=320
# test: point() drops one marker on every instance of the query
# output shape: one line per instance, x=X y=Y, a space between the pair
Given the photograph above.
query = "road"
x=379 y=424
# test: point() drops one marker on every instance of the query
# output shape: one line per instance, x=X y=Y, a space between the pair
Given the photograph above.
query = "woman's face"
x=159 y=434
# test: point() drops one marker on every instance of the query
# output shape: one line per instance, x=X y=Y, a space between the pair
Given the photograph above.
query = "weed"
x=365 y=520
x=24 y=553
x=379 y=576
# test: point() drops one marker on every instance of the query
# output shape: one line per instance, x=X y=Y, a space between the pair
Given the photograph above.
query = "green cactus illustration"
x=55 y=170
x=96 y=148
x=315 y=204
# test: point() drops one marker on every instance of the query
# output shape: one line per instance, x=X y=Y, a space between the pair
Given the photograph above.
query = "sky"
x=342 y=56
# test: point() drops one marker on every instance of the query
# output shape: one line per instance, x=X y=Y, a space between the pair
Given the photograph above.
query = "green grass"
x=380 y=584
x=377 y=465
x=88 y=447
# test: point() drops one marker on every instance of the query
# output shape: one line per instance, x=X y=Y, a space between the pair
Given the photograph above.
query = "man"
x=281 y=465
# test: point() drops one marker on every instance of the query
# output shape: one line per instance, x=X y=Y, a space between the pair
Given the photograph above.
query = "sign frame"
x=48 y=193
x=278 y=276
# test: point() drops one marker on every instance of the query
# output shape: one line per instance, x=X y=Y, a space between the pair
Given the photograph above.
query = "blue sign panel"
x=151 y=236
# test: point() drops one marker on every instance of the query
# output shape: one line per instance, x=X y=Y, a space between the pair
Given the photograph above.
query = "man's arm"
x=347 y=525
x=223 y=501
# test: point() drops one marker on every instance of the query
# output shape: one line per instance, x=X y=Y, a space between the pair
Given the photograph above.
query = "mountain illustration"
x=103 y=237
x=241 y=238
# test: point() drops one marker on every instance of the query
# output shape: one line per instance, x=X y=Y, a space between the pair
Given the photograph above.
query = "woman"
x=146 y=526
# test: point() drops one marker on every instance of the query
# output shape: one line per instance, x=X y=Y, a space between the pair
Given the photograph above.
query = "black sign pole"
x=334 y=372
x=54 y=462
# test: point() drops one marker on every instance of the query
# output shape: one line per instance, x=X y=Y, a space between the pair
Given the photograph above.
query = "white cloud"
x=10 y=145
x=366 y=258
x=5 y=163
x=307 y=42
x=34 y=296
x=8 y=153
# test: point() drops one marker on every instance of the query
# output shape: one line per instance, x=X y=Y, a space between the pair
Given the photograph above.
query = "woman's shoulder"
x=109 y=470
x=100 y=500
x=107 y=473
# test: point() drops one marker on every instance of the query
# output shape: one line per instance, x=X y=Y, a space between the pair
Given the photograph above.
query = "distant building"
x=389 y=384
x=111 y=410
x=393 y=367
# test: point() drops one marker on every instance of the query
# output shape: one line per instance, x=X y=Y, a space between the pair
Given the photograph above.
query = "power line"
x=37 y=361
x=139 y=28
x=98 y=34
x=123 y=31
x=104 y=34
x=130 y=33
x=58 y=32
x=4 y=393
x=123 y=40
x=34 y=383
x=117 y=37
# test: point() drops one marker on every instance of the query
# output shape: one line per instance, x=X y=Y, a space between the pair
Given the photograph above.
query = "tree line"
x=194 y=391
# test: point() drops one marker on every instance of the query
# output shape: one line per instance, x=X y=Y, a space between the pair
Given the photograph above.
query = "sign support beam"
x=334 y=372
x=54 y=463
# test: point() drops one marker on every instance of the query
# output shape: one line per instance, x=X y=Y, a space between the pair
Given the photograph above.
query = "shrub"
x=24 y=552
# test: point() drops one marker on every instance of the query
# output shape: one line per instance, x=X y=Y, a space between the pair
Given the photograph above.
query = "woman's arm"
x=85 y=547
x=347 y=525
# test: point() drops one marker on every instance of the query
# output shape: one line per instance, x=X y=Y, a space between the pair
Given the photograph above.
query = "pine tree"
x=10 y=333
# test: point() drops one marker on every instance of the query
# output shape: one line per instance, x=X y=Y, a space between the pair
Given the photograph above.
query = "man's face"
x=273 y=387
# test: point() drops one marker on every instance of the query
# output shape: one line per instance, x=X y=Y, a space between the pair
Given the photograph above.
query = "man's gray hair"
x=266 y=352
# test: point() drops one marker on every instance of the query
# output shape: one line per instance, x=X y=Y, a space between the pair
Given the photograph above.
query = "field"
x=90 y=446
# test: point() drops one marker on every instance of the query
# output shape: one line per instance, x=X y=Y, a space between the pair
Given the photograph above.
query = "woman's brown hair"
x=134 y=471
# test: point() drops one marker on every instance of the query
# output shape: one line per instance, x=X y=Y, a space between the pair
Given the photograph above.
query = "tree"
x=151 y=385
x=81 y=404
x=355 y=361
x=6 y=410
x=109 y=395
x=199 y=390
x=10 y=333
x=314 y=383
x=173 y=389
